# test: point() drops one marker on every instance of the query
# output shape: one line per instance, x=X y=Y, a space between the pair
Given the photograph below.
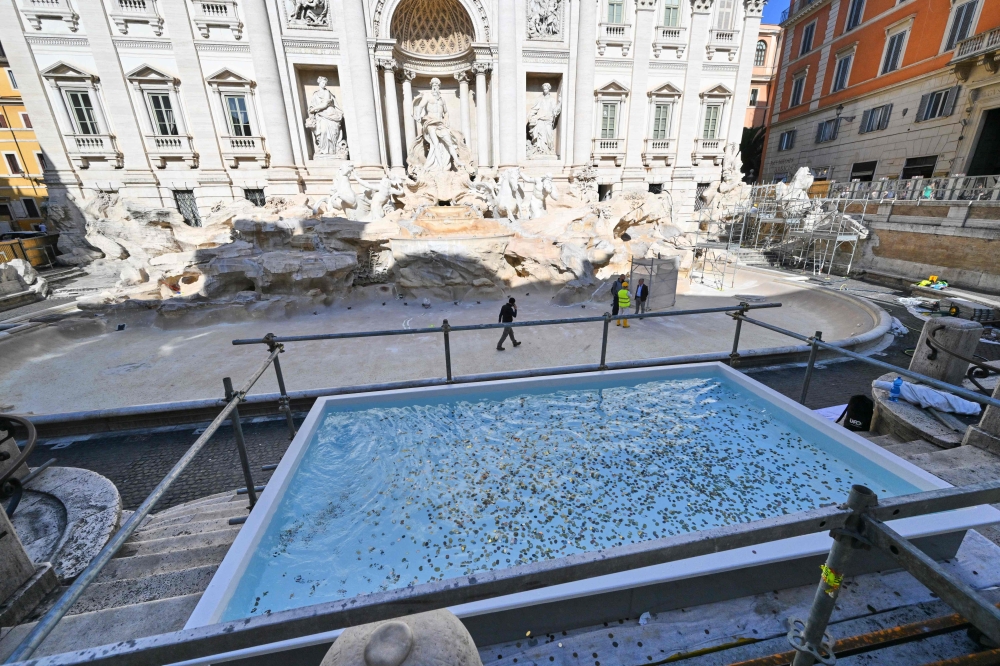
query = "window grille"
x=187 y=207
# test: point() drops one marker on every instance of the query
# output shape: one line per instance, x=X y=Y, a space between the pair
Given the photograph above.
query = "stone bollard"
x=437 y=637
x=959 y=335
x=986 y=435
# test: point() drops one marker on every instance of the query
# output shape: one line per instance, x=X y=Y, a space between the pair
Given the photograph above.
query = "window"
x=753 y=96
x=655 y=188
x=841 y=73
x=863 y=171
x=239 y=119
x=699 y=190
x=82 y=111
x=827 y=130
x=187 y=207
x=937 y=104
x=961 y=23
x=41 y=161
x=256 y=197
x=30 y=208
x=5 y=211
x=163 y=114
x=798 y=86
x=821 y=173
x=760 y=55
x=3 y=122
x=710 y=130
x=25 y=120
x=13 y=81
x=13 y=165
x=724 y=10
x=661 y=121
x=781 y=177
x=893 y=52
x=616 y=11
x=875 y=119
x=786 y=141
x=855 y=14
x=609 y=116
x=671 y=13
x=808 y=33
x=919 y=167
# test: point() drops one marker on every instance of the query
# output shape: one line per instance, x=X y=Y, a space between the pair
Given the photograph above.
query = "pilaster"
x=482 y=114
x=507 y=43
x=690 y=119
x=586 y=55
x=752 y=11
x=388 y=66
x=406 y=81
x=645 y=20
x=362 y=128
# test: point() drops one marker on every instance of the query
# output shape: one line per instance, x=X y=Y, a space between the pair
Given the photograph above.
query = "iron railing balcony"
x=795 y=7
x=670 y=37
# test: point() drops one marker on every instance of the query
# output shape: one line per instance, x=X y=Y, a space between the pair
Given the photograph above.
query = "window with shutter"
x=661 y=121
x=855 y=14
x=884 y=120
x=922 y=107
x=893 y=52
x=865 y=120
x=798 y=86
x=786 y=141
x=807 y=38
x=937 y=104
x=841 y=73
x=671 y=13
x=961 y=23
x=950 y=98
x=608 y=117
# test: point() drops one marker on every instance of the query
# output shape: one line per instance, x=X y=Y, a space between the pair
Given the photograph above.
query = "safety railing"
x=860 y=521
x=11 y=486
x=921 y=190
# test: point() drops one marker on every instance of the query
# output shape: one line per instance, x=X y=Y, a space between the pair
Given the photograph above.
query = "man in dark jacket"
x=641 y=294
x=507 y=314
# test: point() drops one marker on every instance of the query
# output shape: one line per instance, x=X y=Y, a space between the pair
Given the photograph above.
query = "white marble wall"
x=352 y=41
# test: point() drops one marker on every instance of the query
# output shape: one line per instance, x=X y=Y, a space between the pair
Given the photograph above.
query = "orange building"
x=764 y=67
x=872 y=89
x=22 y=189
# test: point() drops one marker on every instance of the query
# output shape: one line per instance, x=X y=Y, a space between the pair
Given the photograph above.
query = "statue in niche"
x=326 y=122
x=309 y=12
x=544 y=189
x=543 y=19
x=438 y=147
x=542 y=124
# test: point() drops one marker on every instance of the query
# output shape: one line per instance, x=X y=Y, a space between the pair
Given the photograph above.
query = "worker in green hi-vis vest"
x=624 y=302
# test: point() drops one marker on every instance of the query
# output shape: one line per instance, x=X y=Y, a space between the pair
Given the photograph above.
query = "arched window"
x=760 y=54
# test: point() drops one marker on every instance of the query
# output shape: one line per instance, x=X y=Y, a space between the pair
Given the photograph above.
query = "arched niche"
x=475 y=11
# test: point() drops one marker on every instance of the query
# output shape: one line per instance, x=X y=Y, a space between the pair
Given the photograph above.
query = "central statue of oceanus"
x=438 y=147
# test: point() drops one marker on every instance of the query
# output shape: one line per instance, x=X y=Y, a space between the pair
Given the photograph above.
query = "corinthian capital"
x=462 y=76
x=701 y=6
x=754 y=7
x=641 y=5
x=386 y=63
x=481 y=67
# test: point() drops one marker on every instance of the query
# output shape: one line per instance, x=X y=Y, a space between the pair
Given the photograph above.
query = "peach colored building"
x=872 y=89
x=764 y=68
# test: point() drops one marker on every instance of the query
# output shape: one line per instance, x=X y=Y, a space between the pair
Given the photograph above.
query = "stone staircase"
x=154 y=583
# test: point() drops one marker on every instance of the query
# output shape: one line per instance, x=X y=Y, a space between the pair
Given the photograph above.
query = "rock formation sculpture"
x=542 y=124
x=326 y=122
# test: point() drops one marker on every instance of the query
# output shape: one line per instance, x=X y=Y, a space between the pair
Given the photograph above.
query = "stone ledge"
x=908 y=422
x=27 y=597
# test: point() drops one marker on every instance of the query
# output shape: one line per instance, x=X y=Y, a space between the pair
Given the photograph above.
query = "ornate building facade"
x=189 y=102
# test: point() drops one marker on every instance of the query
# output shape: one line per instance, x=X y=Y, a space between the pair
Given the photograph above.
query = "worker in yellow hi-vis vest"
x=624 y=303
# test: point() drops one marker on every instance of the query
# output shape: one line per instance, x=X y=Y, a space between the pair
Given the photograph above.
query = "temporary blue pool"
x=385 y=490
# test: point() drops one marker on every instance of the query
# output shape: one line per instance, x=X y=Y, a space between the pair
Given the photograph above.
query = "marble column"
x=690 y=120
x=507 y=79
x=752 y=11
x=483 y=140
x=464 y=101
x=269 y=91
x=388 y=66
x=406 y=79
x=635 y=144
x=362 y=128
x=583 y=104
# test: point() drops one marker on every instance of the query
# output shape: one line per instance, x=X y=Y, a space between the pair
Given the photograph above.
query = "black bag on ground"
x=858 y=415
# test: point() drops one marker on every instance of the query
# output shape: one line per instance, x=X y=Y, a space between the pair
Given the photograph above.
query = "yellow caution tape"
x=831 y=578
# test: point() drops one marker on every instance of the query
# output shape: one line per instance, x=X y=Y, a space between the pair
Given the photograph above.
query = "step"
x=907 y=450
x=961 y=466
x=182 y=529
x=223 y=536
x=884 y=440
x=221 y=511
x=187 y=506
x=138 y=566
x=124 y=623
x=130 y=591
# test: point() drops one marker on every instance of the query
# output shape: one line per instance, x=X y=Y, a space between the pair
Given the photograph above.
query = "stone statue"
x=422 y=639
x=381 y=198
x=439 y=147
x=326 y=122
x=723 y=196
x=544 y=19
x=542 y=124
x=342 y=197
x=584 y=185
x=544 y=189
x=309 y=12
x=510 y=195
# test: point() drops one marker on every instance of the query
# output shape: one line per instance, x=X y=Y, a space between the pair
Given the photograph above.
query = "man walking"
x=507 y=314
x=623 y=303
x=641 y=294
x=615 y=288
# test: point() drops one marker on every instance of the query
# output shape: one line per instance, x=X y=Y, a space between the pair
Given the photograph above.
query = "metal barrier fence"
x=950 y=188
x=858 y=523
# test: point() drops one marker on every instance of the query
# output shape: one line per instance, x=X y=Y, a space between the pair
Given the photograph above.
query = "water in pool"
x=390 y=496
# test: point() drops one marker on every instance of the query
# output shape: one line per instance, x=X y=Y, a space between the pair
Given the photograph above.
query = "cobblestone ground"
x=137 y=462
